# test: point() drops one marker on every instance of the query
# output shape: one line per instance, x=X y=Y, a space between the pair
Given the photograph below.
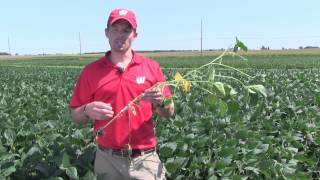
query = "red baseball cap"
x=125 y=14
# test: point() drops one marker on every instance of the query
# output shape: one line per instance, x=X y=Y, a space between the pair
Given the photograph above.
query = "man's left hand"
x=154 y=96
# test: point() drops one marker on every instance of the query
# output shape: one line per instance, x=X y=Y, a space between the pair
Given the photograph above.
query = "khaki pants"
x=113 y=167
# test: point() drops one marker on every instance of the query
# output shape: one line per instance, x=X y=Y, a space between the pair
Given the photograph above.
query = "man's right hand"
x=99 y=110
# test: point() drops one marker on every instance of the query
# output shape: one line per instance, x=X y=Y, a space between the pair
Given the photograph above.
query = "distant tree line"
x=4 y=54
x=300 y=47
x=308 y=47
x=265 y=48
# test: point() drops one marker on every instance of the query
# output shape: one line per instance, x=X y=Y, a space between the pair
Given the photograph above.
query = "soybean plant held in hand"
x=203 y=78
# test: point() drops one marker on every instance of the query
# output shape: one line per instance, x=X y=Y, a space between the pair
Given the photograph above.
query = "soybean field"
x=226 y=136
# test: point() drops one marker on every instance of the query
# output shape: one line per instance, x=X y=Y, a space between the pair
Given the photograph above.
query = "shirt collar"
x=136 y=59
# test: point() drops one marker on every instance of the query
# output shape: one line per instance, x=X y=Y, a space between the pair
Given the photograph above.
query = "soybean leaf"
x=167 y=149
x=72 y=172
x=239 y=44
x=10 y=136
x=219 y=87
x=257 y=89
x=8 y=171
x=56 y=178
x=223 y=107
x=233 y=107
x=89 y=176
x=65 y=161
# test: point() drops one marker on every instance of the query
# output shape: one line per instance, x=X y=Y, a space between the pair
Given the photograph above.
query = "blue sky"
x=43 y=26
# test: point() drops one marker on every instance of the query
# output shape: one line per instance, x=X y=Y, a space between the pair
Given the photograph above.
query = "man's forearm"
x=79 y=116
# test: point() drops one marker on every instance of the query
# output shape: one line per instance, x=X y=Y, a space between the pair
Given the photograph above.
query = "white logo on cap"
x=123 y=12
x=140 y=79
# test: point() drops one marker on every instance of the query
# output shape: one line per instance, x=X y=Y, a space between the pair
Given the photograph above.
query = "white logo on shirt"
x=123 y=12
x=140 y=79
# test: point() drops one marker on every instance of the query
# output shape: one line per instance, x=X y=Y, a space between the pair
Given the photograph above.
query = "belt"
x=126 y=152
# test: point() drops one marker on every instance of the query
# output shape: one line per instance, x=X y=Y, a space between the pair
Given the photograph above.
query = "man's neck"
x=121 y=58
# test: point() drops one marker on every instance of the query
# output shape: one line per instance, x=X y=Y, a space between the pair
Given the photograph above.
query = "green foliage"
x=262 y=134
x=239 y=45
x=38 y=138
x=230 y=134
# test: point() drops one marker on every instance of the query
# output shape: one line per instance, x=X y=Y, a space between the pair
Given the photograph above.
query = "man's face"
x=121 y=35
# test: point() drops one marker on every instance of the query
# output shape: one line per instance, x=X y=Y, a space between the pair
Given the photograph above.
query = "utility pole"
x=9 y=48
x=80 y=43
x=201 y=39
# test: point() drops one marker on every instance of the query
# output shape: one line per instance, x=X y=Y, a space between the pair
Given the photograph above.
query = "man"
x=126 y=147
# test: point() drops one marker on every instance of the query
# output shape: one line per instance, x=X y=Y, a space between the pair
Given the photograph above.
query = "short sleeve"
x=82 y=91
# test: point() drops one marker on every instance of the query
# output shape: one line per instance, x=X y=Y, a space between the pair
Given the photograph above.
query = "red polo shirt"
x=103 y=81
